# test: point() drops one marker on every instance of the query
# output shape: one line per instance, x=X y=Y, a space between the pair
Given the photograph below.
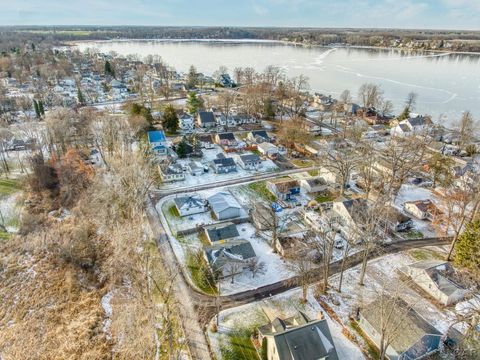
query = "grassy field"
x=412 y=234
x=302 y=163
x=9 y=186
x=261 y=189
x=425 y=254
x=324 y=198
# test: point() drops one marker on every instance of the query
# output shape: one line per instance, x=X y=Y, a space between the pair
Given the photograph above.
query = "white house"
x=249 y=161
x=422 y=209
x=413 y=125
x=171 y=173
x=186 y=122
x=267 y=149
x=189 y=205
x=433 y=277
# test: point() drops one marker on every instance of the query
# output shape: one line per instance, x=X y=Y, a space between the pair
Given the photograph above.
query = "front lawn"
x=302 y=163
x=239 y=347
x=200 y=272
x=261 y=189
x=412 y=235
x=324 y=198
x=172 y=210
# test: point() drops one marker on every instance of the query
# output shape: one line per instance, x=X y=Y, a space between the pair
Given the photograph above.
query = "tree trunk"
x=364 y=266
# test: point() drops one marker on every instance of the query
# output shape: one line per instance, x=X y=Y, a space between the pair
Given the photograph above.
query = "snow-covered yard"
x=275 y=267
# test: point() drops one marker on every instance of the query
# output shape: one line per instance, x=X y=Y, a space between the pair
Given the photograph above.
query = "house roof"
x=206 y=117
x=227 y=161
x=205 y=138
x=284 y=185
x=189 y=201
x=266 y=146
x=437 y=271
x=424 y=205
x=316 y=181
x=260 y=133
x=249 y=158
x=222 y=232
x=404 y=127
x=300 y=338
x=235 y=250
x=226 y=136
x=407 y=326
x=222 y=201
x=156 y=136
x=419 y=121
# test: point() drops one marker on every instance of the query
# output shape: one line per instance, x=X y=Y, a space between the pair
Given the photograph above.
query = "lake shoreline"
x=285 y=42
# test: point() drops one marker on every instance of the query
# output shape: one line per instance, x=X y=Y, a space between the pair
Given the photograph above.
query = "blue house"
x=158 y=142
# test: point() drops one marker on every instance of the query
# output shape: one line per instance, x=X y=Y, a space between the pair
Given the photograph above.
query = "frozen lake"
x=446 y=83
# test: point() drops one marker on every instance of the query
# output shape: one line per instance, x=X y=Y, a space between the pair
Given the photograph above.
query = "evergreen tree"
x=80 y=98
x=170 y=119
x=37 y=109
x=269 y=109
x=109 y=69
x=467 y=249
x=192 y=77
x=40 y=107
x=194 y=103
x=181 y=149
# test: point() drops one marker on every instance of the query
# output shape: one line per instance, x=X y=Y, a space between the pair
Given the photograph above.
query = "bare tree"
x=342 y=163
x=255 y=266
x=302 y=266
x=231 y=269
x=267 y=220
x=467 y=127
x=370 y=95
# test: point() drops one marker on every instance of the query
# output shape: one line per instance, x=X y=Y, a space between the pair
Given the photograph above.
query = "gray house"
x=230 y=258
x=298 y=337
x=224 y=205
x=206 y=119
x=249 y=161
x=189 y=205
x=223 y=165
x=219 y=233
x=410 y=335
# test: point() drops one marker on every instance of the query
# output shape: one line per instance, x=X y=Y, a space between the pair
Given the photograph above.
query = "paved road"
x=158 y=194
x=186 y=298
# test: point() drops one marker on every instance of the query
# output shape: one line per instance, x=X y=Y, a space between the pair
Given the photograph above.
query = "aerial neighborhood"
x=232 y=215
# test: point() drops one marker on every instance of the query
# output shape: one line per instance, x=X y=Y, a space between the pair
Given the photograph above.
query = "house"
x=230 y=258
x=349 y=213
x=171 y=172
x=315 y=184
x=205 y=141
x=291 y=246
x=284 y=189
x=267 y=149
x=259 y=136
x=249 y=161
x=195 y=168
x=297 y=337
x=413 y=125
x=223 y=165
x=226 y=81
x=311 y=127
x=422 y=209
x=189 y=205
x=158 y=142
x=219 y=233
x=226 y=139
x=206 y=120
x=224 y=205
x=413 y=337
x=397 y=221
x=186 y=122
x=433 y=276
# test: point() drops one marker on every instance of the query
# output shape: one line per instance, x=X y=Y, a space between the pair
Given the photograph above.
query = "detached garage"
x=224 y=206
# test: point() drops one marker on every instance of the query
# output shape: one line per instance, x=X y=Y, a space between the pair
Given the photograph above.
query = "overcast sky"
x=439 y=14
